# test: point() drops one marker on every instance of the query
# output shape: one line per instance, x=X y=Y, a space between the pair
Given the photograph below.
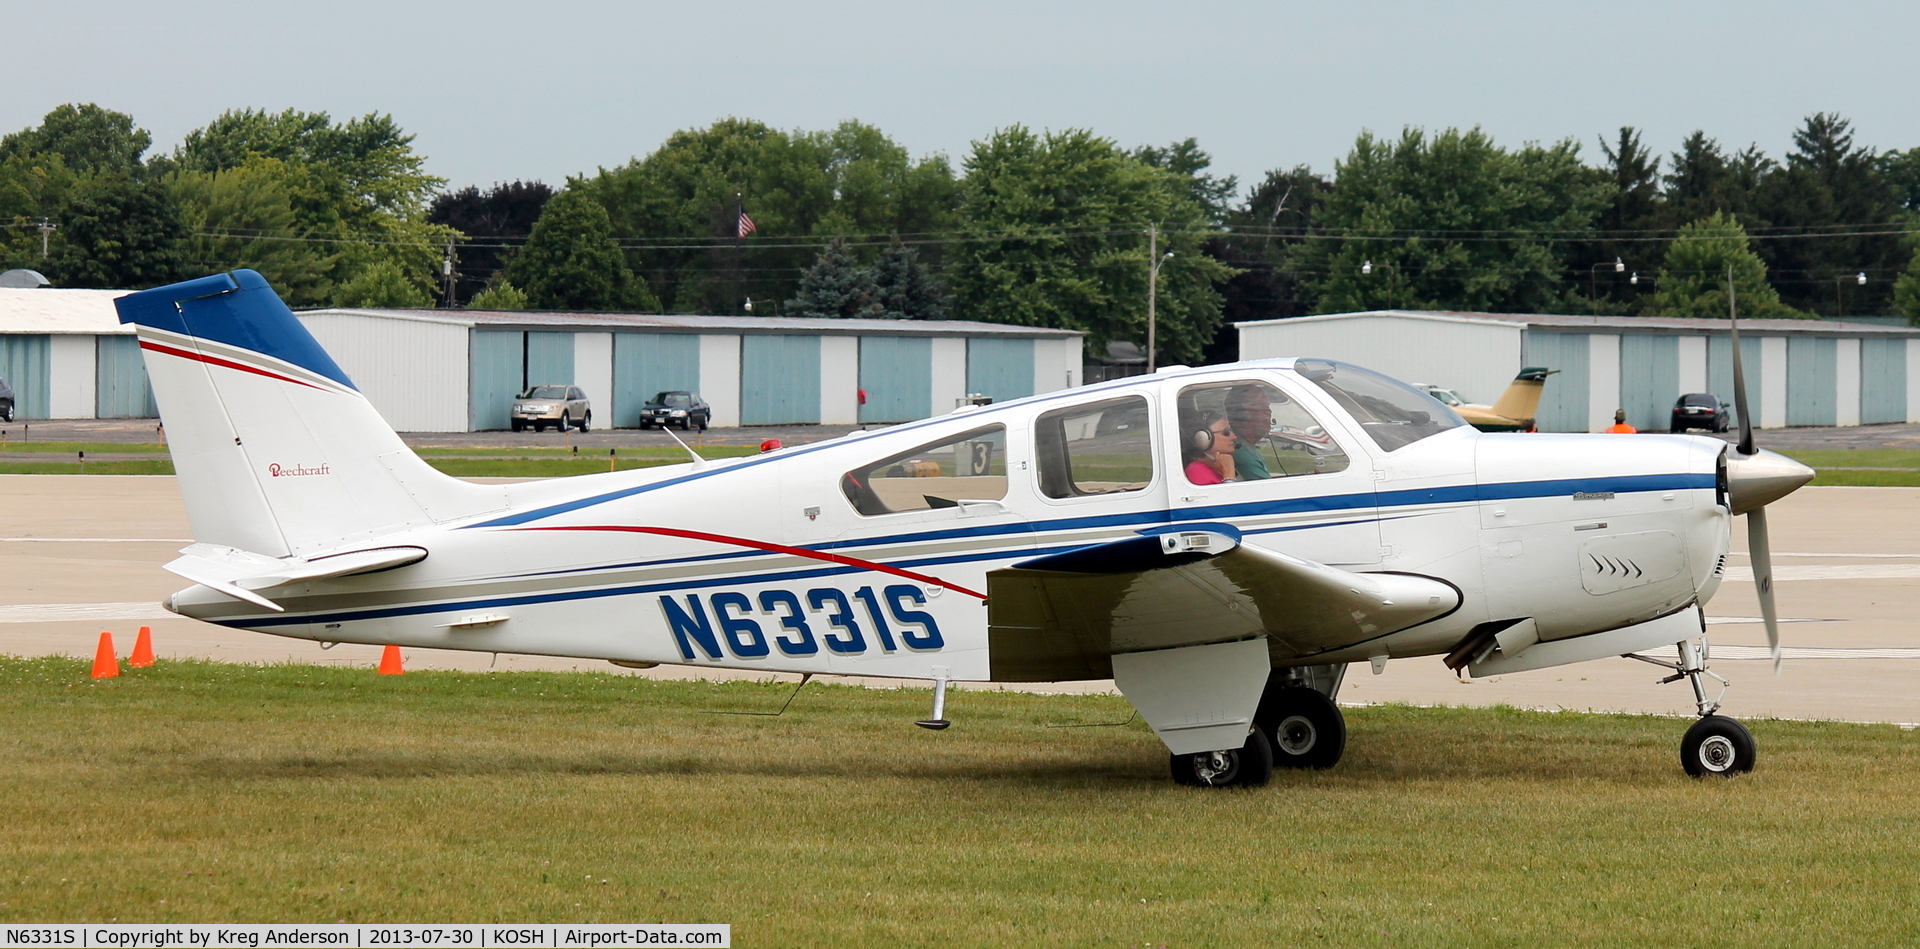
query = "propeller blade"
x=1761 y=554
x=1739 y=376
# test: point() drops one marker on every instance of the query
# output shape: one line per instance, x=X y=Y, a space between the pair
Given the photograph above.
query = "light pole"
x=1593 y=277
x=1859 y=278
x=1154 y=260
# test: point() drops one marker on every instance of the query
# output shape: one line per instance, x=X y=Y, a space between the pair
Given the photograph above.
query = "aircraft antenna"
x=698 y=462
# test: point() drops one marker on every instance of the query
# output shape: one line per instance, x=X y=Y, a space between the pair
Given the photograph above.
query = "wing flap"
x=1185 y=589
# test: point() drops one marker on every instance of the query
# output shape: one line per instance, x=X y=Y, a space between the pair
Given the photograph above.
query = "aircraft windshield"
x=546 y=392
x=673 y=398
x=1391 y=412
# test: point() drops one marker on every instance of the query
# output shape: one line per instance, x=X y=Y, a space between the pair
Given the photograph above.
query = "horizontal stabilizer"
x=238 y=573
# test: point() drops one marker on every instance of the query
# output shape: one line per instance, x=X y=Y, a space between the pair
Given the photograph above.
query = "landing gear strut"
x=1715 y=745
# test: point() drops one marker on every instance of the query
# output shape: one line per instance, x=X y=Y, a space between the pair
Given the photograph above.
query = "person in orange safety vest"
x=1620 y=426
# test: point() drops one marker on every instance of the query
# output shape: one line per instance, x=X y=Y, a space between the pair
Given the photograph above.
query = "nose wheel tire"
x=1249 y=766
x=1304 y=726
x=1717 y=746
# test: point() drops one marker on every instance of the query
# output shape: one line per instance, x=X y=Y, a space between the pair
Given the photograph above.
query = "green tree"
x=1189 y=161
x=500 y=295
x=244 y=217
x=33 y=187
x=572 y=263
x=1829 y=186
x=1055 y=234
x=686 y=197
x=1693 y=279
x=835 y=287
x=1452 y=222
x=117 y=233
x=1704 y=180
x=88 y=138
x=1633 y=212
x=1906 y=291
x=1262 y=236
x=904 y=289
x=356 y=184
x=380 y=285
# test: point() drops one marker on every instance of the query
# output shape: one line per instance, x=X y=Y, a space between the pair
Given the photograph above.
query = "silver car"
x=561 y=406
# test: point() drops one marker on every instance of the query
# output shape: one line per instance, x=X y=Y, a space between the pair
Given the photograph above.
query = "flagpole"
x=739 y=215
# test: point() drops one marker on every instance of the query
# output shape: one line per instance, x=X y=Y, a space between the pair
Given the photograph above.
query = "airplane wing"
x=1064 y=616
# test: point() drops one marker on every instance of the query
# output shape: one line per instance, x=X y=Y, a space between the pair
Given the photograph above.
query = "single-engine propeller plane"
x=1222 y=542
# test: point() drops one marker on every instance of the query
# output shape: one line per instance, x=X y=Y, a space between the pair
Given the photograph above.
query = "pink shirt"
x=1201 y=471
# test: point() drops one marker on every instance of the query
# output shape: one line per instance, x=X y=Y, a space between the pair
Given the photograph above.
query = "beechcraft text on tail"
x=1222 y=542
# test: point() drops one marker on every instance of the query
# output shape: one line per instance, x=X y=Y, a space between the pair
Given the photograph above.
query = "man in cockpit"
x=1251 y=416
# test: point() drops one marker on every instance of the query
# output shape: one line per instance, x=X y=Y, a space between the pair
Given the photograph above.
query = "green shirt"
x=1248 y=465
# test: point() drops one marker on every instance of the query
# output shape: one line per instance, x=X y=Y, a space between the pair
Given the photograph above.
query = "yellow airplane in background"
x=1515 y=410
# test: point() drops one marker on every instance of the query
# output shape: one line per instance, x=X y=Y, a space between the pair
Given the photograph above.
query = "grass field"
x=202 y=792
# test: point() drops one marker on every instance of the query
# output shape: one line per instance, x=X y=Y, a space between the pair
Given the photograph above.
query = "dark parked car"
x=676 y=407
x=1700 y=410
x=6 y=401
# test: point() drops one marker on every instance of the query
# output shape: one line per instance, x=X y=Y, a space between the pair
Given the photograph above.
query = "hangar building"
x=67 y=356
x=458 y=370
x=1799 y=372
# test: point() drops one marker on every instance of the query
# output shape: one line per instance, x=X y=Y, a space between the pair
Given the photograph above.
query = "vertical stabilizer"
x=1521 y=401
x=276 y=451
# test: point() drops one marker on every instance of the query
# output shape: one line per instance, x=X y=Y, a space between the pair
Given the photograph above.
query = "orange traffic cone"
x=142 y=649
x=390 y=661
x=105 y=664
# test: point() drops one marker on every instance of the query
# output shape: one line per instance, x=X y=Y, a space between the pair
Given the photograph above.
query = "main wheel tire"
x=1717 y=746
x=566 y=421
x=585 y=420
x=539 y=426
x=1249 y=766
x=703 y=423
x=1304 y=726
x=519 y=425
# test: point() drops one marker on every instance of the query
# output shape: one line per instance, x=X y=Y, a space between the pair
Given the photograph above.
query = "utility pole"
x=1154 y=260
x=446 y=272
x=1153 y=287
x=45 y=229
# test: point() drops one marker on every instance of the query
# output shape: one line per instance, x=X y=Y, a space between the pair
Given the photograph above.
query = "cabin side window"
x=967 y=467
x=1266 y=435
x=1101 y=448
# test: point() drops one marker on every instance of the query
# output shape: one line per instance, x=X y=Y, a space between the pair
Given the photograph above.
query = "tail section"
x=276 y=451
x=1521 y=401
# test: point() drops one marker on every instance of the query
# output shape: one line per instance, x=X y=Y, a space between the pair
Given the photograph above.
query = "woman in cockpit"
x=1209 y=450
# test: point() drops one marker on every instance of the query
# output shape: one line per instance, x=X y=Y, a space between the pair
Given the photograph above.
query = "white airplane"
x=1090 y=533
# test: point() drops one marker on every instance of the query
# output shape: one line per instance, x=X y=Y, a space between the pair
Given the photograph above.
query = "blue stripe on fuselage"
x=1408 y=497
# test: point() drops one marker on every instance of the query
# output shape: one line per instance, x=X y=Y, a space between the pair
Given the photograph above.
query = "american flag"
x=744 y=226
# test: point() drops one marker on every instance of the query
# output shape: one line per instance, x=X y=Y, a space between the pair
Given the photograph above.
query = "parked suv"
x=561 y=406
x=1699 y=410
x=676 y=407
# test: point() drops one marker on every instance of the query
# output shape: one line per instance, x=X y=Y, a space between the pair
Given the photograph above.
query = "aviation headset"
x=1202 y=437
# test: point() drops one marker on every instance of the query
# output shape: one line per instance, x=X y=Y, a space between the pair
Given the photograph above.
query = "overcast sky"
x=498 y=91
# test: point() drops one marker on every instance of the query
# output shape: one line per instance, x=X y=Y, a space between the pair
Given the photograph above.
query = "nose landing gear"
x=1715 y=745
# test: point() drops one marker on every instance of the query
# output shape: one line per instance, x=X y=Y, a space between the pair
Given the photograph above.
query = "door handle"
x=970 y=506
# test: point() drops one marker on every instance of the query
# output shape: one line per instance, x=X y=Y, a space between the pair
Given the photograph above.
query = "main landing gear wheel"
x=1717 y=745
x=1249 y=766
x=1306 y=728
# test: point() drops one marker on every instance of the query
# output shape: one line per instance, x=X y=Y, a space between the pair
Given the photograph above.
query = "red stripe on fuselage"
x=771 y=548
x=228 y=363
